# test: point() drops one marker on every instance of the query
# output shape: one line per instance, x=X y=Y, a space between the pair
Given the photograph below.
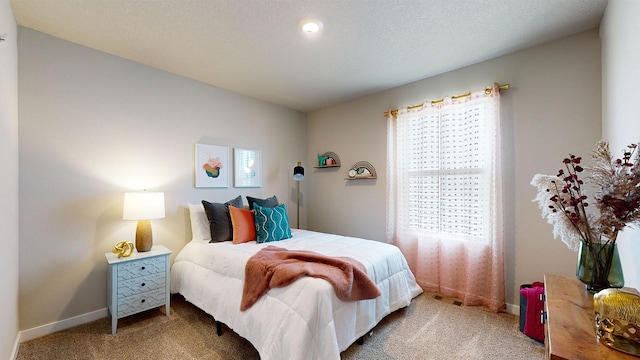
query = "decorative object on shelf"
x=123 y=249
x=617 y=204
x=143 y=206
x=362 y=170
x=328 y=159
x=618 y=320
x=248 y=168
x=212 y=166
x=298 y=175
x=322 y=160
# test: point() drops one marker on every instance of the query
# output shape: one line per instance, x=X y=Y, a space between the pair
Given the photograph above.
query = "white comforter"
x=304 y=320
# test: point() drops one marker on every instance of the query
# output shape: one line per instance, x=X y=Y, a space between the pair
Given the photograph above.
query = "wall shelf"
x=361 y=170
x=328 y=156
x=361 y=178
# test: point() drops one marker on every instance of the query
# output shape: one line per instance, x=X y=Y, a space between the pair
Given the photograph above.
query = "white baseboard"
x=47 y=329
x=16 y=345
x=513 y=309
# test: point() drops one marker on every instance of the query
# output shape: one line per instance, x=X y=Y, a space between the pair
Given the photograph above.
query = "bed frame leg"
x=361 y=340
x=219 y=328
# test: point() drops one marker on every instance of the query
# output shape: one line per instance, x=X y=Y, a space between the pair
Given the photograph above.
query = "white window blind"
x=445 y=171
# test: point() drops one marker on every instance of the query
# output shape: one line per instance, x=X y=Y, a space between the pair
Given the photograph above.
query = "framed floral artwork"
x=212 y=167
x=248 y=168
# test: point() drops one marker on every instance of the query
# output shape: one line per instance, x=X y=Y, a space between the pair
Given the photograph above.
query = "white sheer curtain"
x=444 y=196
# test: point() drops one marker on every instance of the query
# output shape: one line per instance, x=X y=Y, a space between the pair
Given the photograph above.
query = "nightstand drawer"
x=134 y=269
x=141 y=284
x=140 y=302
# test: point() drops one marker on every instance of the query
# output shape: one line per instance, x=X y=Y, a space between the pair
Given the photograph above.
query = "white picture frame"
x=212 y=167
x=247 y=168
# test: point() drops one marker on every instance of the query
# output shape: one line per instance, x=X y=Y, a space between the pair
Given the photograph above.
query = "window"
x=445 y=172
x=444 y=196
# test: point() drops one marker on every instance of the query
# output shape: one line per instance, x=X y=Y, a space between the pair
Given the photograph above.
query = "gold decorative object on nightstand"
x=618 y=320
x=123 y=249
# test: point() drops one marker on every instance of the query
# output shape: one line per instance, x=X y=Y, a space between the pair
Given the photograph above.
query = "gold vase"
x=617 y=315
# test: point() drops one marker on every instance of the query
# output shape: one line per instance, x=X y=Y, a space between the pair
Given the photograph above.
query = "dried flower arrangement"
x=563 y=199
x=564 y=204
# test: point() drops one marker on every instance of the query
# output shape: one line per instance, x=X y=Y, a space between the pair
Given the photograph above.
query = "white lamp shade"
x=143 y=205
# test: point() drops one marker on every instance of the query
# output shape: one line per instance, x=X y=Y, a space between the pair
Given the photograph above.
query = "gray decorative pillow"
x=268 y=202
x=220 y=220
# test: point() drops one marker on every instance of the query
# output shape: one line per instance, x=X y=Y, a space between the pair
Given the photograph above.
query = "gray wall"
x=620 y=105
x=93 y=126
x=8 y=182
x=553 y=108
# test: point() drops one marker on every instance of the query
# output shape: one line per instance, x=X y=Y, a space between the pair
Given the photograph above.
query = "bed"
x=304 y=320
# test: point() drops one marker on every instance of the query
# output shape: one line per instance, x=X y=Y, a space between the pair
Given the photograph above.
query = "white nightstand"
x=137 y=283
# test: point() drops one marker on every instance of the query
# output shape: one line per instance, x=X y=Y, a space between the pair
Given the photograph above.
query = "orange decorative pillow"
x=243 y=225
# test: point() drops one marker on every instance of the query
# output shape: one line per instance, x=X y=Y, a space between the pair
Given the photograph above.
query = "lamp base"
x=298 y=203
x=144 y=238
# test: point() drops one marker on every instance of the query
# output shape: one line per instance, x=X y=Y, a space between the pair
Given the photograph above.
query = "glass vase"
x=599 y=266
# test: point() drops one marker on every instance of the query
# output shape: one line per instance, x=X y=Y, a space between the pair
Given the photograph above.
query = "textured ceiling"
x=254 y=47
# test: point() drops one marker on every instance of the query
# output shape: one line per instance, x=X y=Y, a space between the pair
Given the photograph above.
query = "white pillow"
x=200 y=230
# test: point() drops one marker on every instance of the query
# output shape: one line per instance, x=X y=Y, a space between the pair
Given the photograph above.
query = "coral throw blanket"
x=274 y=267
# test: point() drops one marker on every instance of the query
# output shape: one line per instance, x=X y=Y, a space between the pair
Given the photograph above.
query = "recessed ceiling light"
x=310 y=26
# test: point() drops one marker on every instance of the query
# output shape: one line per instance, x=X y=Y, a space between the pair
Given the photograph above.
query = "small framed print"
x=248 y=168
x=212 y=166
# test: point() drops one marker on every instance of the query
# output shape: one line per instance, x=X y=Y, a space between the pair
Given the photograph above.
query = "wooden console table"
x=570 y=331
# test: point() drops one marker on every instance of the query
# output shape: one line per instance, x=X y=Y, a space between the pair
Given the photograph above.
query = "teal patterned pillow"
x=272 y=224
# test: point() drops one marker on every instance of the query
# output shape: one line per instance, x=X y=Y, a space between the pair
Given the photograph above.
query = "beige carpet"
x=427 y=329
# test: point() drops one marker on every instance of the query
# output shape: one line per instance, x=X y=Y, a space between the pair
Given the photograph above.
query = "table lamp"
x=143 y=206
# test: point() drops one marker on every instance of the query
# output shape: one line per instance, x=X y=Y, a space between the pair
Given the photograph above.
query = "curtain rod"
x=434 y=102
